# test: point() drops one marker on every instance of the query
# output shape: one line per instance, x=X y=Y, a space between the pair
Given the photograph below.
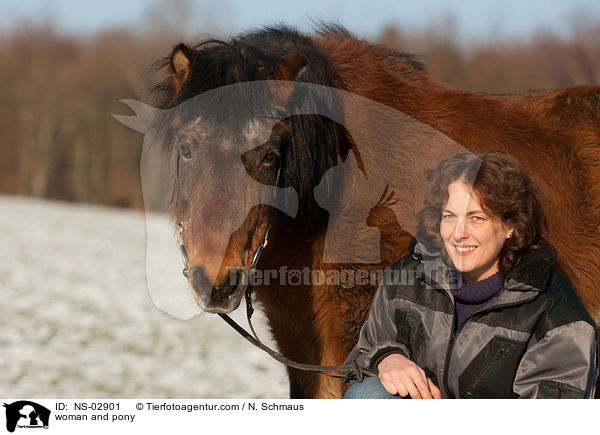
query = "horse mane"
x=250 y=56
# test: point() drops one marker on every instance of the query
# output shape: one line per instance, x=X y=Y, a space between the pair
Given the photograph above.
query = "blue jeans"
x=369 y=388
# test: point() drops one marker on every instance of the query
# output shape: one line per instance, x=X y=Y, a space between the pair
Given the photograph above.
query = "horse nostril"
x=201 y=285
x=233 y=281
x=208 y=293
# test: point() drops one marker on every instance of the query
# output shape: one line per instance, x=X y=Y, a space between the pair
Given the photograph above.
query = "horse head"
x=241 y=161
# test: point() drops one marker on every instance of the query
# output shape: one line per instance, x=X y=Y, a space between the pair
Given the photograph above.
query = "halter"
x=348 y=373
x=175 y=188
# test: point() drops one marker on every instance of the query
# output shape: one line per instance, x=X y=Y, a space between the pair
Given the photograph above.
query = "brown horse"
x=555 y=134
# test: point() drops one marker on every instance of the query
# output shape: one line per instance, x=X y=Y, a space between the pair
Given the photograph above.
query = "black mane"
x=250 y=56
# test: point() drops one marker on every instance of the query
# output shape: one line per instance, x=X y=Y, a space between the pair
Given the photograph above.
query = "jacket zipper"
x=449 y=353
x=453 y=336
x=485 y=372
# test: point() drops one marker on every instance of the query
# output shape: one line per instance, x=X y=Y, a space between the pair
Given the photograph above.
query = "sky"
x=474 y=19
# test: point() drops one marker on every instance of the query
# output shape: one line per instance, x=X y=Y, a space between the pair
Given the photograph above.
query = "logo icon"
x=26 y=414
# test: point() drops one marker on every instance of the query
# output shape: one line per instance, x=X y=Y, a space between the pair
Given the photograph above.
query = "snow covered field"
x=77 y=319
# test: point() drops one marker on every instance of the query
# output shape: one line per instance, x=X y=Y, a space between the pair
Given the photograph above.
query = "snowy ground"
x=77 y=319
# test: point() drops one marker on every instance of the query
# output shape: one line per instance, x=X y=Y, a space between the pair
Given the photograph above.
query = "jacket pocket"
x=410 y=333
x=492 y=372
x=558 y=390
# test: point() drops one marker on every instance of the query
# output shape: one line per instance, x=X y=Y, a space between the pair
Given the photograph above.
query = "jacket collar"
x=531 y=273
x=435 y=272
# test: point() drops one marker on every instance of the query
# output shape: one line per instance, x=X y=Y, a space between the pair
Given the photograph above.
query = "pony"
x=555 y=134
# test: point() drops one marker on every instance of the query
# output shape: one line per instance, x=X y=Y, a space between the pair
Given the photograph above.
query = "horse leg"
x=295 y=389
x=303 y=385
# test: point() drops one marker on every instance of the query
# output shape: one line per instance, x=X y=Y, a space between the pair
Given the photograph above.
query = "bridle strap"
x=250 y=287
x=182 y=250
x=175 y=188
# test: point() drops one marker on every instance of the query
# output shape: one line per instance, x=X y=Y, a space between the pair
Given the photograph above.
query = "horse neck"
x=391 y=79
x=446 y=110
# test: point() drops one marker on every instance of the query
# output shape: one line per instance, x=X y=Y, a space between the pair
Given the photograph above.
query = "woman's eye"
x=447 y=217
x=185 y=151
x=478 y=219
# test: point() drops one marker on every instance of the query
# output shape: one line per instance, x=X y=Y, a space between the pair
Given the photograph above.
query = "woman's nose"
x=460 y=231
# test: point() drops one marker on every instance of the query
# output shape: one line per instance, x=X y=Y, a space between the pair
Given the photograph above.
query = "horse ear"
x=180 y=64
x=292 y=66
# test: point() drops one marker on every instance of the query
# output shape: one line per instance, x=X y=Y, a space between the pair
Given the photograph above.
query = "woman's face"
x=472 y=238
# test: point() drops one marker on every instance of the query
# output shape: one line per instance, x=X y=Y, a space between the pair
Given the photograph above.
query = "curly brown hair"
x=503 y=188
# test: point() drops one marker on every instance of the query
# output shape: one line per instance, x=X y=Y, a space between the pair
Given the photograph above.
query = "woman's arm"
x=378 y=335
x=378 y=349
x=563 y=363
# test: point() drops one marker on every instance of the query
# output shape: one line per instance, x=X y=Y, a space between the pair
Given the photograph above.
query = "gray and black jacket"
x=532 y=340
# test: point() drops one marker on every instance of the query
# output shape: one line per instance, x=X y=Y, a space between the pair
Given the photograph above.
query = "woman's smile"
x=464 y=250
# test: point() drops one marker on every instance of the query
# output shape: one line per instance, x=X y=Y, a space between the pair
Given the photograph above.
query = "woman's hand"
x=399 y=375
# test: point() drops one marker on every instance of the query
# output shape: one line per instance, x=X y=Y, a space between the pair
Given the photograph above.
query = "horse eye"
x=185 y=151
x=269 y=158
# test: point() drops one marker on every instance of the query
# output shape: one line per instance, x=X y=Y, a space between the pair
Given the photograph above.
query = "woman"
x=477 y=310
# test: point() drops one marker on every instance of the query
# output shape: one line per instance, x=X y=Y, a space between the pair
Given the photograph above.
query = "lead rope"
x=348 y=373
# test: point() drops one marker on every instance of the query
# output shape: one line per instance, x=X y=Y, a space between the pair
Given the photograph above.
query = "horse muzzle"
x=221 y=297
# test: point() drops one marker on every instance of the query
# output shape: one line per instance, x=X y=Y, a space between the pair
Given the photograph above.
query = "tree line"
x=58 y=139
